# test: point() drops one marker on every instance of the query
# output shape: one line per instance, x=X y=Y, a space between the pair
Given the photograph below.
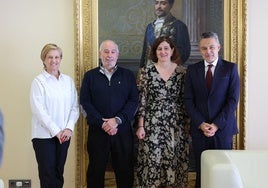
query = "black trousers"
x=101 y=147
x=51 y=158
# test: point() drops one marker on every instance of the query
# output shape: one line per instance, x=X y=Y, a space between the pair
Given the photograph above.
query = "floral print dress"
x=163 y=155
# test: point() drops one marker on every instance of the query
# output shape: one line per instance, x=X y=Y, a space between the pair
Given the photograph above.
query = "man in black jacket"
x=109 y=97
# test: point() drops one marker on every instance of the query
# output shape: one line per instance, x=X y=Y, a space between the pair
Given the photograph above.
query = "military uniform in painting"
x=171 y=27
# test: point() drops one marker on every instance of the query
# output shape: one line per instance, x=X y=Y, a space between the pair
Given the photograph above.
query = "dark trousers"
x=203 y=143
x=101 y=147
x=51 y=158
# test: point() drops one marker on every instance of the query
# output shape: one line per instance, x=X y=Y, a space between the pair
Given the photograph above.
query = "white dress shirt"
x=158 y=24
x=214 y=63
x=54 y=105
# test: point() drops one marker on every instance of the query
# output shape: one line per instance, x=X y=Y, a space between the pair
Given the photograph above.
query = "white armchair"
x=234 y=169
x=1 y=183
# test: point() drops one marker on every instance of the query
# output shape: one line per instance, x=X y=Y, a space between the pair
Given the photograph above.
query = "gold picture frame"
x=86 y=57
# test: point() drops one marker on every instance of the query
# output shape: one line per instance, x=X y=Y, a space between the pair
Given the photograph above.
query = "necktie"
x=209 y=77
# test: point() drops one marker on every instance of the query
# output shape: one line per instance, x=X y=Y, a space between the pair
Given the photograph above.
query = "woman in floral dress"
x=162 y=132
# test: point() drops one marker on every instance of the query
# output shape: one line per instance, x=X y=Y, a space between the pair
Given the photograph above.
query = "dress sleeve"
x=142 y=87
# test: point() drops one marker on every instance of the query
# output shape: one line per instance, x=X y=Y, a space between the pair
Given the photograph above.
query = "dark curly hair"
x=175 y=56
x=171 y=2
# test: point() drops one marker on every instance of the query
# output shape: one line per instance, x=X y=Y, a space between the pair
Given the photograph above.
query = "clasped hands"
x=209 y=130
x=64 y=135
x=110 y=126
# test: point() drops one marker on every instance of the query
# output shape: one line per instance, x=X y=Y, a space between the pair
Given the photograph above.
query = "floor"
x=110 y=181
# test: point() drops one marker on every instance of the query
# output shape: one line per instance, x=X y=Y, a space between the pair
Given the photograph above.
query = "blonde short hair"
x=47 y=48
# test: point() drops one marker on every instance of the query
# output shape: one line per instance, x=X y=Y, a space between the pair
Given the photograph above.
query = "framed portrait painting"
x=124 y=21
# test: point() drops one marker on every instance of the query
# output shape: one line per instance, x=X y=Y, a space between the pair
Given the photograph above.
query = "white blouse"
x=54 y=105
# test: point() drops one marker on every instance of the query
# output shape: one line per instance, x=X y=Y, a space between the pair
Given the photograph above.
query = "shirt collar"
x=214 y=63
x=104 y=71
x=47 y=75
x=160 y=20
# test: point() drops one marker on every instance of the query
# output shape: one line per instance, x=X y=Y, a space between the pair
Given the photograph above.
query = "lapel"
x=216 y=74
x=200 y=77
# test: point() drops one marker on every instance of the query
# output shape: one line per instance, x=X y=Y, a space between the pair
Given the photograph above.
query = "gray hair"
x=116 y=46
x=210 y=34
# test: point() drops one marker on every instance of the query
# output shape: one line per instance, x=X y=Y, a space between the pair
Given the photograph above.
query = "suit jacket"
x=217 y=106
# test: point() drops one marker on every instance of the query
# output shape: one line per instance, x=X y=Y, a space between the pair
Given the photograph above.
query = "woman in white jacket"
x=55 y=110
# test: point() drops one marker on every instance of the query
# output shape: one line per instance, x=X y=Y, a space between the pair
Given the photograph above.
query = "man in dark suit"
x=211 y=108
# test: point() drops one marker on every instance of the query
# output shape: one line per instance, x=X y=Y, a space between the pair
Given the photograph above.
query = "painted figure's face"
x=52 y=61
x=209 y=48
x=162 y=8
x=164 y=52
x=109 y=55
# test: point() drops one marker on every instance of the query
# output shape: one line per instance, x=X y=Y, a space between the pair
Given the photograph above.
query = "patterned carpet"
x=110 y=180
